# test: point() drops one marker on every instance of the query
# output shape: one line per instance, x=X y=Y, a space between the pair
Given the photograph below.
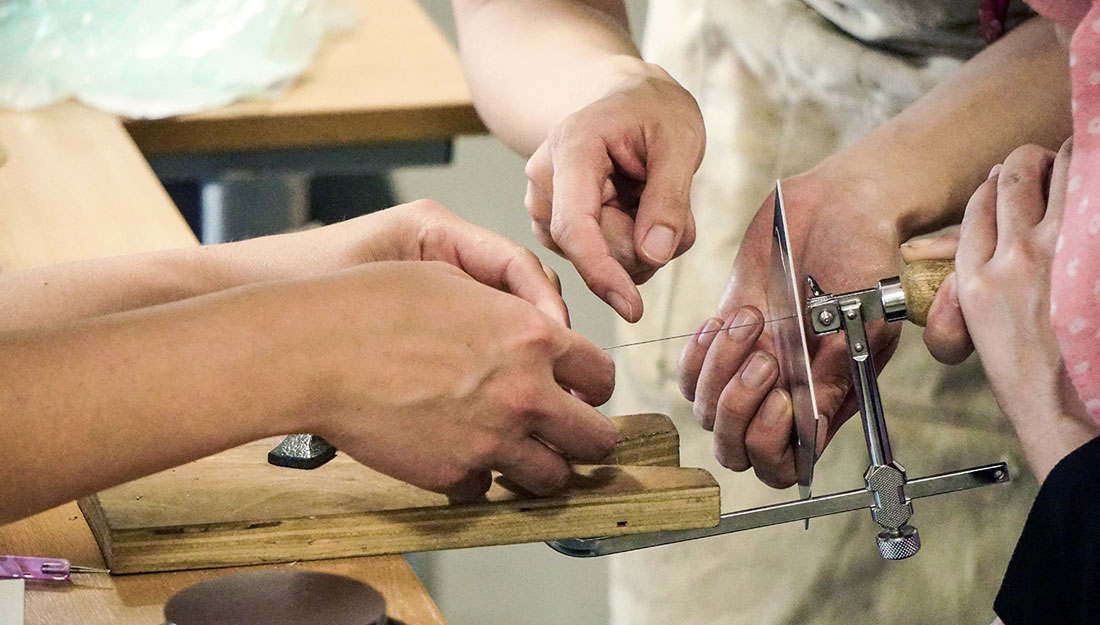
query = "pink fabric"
x=1065 y=12
x=1075 y=279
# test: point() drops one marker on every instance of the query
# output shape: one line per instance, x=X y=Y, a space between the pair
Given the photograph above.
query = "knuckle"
x=974 y=289
x=430 y=207
x=484 y=451
x=536 y=208
x=519 y=399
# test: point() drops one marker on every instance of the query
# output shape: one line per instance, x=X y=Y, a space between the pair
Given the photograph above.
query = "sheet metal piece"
x=786 y=305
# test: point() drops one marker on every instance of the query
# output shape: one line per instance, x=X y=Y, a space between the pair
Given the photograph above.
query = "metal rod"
x=784 y=513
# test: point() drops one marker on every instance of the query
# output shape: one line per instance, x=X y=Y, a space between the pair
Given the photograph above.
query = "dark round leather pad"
x=277 y=598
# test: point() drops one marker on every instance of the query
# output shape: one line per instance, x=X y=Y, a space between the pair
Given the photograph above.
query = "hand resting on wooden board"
x=420 y=344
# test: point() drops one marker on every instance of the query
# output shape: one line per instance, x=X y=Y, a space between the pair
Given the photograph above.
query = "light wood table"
x=75 y=186
x=394 y=78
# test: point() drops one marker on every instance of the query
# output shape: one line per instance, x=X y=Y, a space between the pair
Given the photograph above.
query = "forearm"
x=532 y=62
x=78 y=290
x=98 y=402
x=926 y=162
x=1048 y=418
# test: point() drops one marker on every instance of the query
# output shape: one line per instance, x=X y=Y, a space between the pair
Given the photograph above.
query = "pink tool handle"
x=25 y=567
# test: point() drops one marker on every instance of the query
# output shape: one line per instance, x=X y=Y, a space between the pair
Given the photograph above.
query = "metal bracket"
x=789 y=512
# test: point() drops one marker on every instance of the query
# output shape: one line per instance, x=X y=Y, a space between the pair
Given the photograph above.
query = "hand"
x=999 y=300
x=433 y=378
x=420 y=230
x=609 y=187
x=945 y=332
x=842 y=234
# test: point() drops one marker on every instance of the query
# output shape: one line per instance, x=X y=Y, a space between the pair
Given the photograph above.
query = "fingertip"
x=768 y=440
x=628 y=306
x=472 y=488
x=945 y=335
x=659 y=244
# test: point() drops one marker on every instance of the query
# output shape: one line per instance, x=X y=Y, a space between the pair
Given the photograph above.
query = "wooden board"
x=235 y=509
x=394 y=78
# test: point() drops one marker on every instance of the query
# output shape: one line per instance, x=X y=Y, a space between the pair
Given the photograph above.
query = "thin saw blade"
x=786 y=305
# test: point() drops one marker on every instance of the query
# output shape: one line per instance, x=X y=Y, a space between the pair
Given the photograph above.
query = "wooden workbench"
x=395 y=78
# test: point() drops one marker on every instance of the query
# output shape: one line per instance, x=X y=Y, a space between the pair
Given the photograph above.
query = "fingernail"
x=758 y=371
x=621 y=305
x=918 y=243
x=996 y=170
x=658 y=244
x=706 y=333
x=742 y=325
x=777 y=409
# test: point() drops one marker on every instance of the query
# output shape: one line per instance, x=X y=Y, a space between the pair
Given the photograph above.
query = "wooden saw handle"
x=921 y=280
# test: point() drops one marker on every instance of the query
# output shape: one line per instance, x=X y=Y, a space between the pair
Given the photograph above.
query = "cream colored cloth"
x=781 y=88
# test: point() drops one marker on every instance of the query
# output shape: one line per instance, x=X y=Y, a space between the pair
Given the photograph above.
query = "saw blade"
x=786 y=305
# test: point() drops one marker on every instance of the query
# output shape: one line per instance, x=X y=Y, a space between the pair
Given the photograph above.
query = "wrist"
x=899 y=182
x=855 y=194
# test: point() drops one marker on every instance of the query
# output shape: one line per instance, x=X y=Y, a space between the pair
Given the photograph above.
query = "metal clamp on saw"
x=888 y=492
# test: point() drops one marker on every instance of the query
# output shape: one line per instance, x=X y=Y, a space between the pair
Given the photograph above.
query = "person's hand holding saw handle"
x=997 y=301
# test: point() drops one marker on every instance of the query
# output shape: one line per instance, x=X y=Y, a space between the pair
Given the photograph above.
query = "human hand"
x=841 y=233
x=431 y=377
x=420 y=230
x=609 y=187
x=998 y=300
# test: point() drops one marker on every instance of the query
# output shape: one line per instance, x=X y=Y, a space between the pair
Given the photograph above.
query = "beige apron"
x=781 y=87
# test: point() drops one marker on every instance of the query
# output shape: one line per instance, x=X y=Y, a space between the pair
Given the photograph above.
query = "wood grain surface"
x=74 y=187
x=921 y=280
x=394 y=78
x=233 y=509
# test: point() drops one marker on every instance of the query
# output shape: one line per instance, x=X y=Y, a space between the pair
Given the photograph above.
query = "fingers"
x=978 y=231
x=665 y=227
x=939 y=247
x=945 y=334
x=1021 y=191
x=535 y=467
x=693 y=355
x=1059 y=180
x=727 y=352
x=737 y=406
x=575 y=428
x=580 y=168
x=585 y=369
x=470 y=488
x=768 y=441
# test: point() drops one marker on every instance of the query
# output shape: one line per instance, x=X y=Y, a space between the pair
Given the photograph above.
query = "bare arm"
x=530 y=63
x=614 y=141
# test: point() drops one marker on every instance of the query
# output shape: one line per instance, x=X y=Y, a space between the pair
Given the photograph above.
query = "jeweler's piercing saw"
x=887 y=492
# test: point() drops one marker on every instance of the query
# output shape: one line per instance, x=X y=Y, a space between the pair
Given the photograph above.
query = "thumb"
x=938 y=247
x=946 y=335
x=664 y=227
